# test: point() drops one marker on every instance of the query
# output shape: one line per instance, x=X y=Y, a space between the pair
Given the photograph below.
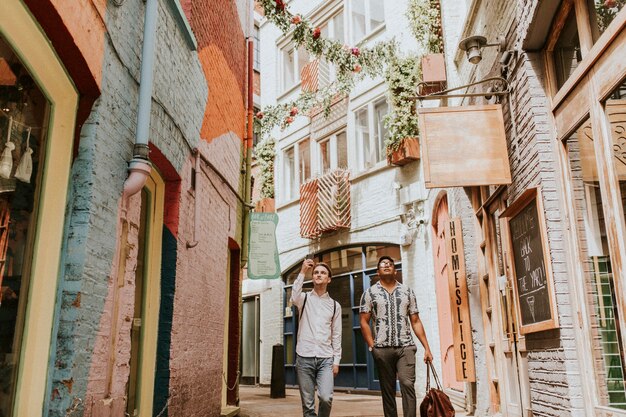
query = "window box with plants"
x=402 y=122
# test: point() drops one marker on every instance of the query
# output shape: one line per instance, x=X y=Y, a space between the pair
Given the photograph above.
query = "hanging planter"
x=265 y=205
x=433 y=74
x=408 y=151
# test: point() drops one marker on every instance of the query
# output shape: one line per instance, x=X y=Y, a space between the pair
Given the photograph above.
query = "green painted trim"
x=183 y=24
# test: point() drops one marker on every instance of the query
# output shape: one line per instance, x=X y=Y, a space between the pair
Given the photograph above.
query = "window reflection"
x=23 y=117
x=604 y=316
x=566 y=52
x=602 y=13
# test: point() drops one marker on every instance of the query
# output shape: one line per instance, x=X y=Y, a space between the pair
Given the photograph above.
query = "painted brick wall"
x=82 y=333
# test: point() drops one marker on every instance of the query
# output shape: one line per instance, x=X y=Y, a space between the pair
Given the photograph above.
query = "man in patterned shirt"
x=394 y=308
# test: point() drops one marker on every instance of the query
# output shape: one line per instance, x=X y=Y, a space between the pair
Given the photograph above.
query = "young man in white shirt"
x=318 y=348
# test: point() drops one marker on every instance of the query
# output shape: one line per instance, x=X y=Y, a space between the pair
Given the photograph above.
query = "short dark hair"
x=382 y=258
x=325 y=265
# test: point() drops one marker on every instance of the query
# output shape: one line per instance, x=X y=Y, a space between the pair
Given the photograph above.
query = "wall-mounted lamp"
x=473 y=46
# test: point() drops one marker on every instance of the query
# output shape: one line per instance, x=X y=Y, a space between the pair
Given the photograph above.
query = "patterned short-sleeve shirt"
x=391 y=313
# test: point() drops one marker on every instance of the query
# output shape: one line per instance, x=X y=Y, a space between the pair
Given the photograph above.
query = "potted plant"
x=402 y=145
x=425 y=23
x=265 y=153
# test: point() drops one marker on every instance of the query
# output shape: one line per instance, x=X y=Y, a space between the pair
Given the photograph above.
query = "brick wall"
x=88 y=287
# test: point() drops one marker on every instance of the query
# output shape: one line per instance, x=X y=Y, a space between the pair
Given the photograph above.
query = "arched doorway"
x=446 y=342
x=354 y=271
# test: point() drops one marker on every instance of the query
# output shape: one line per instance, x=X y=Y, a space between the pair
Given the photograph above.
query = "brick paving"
x=256 y=402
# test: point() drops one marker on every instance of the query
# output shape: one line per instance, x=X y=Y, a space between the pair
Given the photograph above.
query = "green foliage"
x=425 y=23
x=606 y=10
x=265 y=153
x=402 y=77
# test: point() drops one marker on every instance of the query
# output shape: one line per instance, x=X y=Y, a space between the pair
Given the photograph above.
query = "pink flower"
x=280 y=5
x=259 y=115
x=355 y=51
x=610 y=3
x=296 y=20
x=294 y=111
x=289 y=120
x=357 y=68
x=316 y=33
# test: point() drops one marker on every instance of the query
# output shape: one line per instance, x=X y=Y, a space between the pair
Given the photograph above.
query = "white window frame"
x=293 y=178
x=361 y=160
x=334 y=155
x=282 y=87
x=327 y=73
x=368 y=30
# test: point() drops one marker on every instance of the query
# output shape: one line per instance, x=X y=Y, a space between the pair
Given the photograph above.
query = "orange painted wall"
x=222 y=51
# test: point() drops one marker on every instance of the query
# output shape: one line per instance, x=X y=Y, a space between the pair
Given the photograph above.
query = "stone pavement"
x=256 y=402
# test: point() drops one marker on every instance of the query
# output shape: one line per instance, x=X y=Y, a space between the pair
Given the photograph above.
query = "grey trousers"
x=400 y=361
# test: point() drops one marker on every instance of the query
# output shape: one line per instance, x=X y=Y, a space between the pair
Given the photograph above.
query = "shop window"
x=23 y=117
x=602 y=13
x=604 y=316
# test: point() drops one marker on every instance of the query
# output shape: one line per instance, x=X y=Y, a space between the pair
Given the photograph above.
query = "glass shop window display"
x=23 y=120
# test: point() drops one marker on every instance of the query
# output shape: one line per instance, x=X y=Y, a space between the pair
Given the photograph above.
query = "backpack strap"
x=301 y=310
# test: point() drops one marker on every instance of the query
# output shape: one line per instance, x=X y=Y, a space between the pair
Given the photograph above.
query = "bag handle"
x=429 y=367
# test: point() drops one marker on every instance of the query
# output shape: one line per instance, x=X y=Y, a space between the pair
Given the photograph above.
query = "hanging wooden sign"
x=459 y=303
x=463 y=146
x=530 y=263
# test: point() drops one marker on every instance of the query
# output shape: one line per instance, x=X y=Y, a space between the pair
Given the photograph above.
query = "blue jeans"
x=314 y=372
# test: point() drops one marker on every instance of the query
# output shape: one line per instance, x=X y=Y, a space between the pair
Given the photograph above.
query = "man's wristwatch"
x=371 y=348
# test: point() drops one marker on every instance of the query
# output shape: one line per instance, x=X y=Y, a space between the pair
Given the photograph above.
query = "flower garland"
x=352 y=64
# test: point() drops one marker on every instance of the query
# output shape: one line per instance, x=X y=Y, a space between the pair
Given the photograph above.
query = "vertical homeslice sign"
x=262 y=248
x=459 y=303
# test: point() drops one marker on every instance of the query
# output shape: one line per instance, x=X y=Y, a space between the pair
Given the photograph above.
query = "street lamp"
x=473 y=46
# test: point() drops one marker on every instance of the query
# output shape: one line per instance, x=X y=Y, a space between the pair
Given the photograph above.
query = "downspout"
x=248 y=150
x=140 y=166
x=139 y=169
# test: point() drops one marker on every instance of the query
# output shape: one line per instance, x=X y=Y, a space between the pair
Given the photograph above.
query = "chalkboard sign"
x=530 y=265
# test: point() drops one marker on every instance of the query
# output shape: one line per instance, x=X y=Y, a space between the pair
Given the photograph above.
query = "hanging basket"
x=408 y=151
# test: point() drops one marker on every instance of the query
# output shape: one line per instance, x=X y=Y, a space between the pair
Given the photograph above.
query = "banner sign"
x=263 y=260
x=459 y=303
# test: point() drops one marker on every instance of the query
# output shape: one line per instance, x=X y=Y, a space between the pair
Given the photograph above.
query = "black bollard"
x=277 y=387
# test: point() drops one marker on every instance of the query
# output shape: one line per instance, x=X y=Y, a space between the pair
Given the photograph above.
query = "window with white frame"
x=370 y=133
x=365 y=17
x=333 y=152
x=290 y=179
x=333 y=29
x=296 y=169
x=292 y=62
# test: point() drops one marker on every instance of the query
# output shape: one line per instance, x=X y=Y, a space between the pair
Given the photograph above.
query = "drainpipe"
x=140 y=166
x=248 y=150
